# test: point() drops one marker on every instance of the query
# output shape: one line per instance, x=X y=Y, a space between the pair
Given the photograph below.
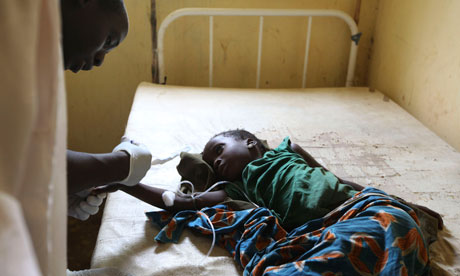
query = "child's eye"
x=219 y=149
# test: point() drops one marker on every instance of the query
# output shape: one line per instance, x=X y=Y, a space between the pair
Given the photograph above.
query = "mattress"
x=360 y=135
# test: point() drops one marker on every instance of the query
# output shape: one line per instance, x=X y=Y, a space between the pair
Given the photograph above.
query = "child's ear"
x=251 y=143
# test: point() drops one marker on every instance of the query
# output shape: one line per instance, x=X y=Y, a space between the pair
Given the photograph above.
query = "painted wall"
x=412 y=45
x=99 y=101
x=235 y=44
x=416 y=61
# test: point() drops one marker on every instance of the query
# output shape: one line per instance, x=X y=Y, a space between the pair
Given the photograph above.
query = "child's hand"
x=107 y=188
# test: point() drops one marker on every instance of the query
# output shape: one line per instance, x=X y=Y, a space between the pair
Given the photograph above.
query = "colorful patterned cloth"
x=369 y=234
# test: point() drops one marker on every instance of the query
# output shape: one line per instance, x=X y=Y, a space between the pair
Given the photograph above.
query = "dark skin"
x=90 y=32
x=226 y=150
x=153 y=196
x=88 y=170
x=314 y=164
x=228 y=157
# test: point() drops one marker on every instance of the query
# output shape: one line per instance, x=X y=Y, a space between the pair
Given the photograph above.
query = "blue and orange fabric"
x=370 y=234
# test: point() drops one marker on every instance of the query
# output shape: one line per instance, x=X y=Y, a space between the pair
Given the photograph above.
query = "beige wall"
x=416 y=61
x=235 y=45
x=413 y=46
x=99 y=101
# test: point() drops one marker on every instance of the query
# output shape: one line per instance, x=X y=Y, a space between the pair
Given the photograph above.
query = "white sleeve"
x=16 y=251
x=19 y=27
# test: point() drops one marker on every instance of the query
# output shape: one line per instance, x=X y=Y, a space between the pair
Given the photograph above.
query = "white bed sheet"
x=357 y=134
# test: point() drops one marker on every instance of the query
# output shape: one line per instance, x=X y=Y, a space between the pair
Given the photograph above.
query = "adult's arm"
x=88 y=170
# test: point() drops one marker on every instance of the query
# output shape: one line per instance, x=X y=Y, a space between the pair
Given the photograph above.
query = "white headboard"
x=211 y=12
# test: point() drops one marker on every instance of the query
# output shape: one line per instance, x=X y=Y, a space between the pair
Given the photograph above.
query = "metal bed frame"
x=211 y=12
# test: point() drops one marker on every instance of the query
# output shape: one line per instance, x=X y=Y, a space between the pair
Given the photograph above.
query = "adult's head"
x=231 y=151
x=91 y=29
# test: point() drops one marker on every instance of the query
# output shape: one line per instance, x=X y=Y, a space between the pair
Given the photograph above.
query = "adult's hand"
x=84 y=204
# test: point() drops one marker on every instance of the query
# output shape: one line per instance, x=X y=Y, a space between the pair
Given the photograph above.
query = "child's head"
x=229 y=152
x=90 y=29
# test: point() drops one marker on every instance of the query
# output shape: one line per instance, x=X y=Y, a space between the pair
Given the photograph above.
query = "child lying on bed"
x=286 y=180
x=370 y=233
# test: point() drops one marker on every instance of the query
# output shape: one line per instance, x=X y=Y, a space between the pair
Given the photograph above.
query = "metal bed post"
x=307 y=49
x=211 y=12
x=259 y=50
x=211 y=23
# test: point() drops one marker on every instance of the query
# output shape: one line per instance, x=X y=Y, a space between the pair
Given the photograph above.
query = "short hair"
x=241 y=134
x=112 y=5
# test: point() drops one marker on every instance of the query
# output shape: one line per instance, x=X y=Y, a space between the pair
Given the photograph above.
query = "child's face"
x=229 y=156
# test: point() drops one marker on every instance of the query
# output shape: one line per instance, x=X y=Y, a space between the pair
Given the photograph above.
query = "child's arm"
x=313 y=163
x=153 y=196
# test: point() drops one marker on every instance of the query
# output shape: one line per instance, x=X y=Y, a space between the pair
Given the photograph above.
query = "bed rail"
x=211 y=12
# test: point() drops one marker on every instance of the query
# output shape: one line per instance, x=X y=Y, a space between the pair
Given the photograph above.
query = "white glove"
x=82 y=204
x=140 y=161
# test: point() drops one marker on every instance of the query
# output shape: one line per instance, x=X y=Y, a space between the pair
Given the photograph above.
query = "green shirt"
x=282 y=181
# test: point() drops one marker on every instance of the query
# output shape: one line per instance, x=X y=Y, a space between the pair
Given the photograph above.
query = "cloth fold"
x=373 y=234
